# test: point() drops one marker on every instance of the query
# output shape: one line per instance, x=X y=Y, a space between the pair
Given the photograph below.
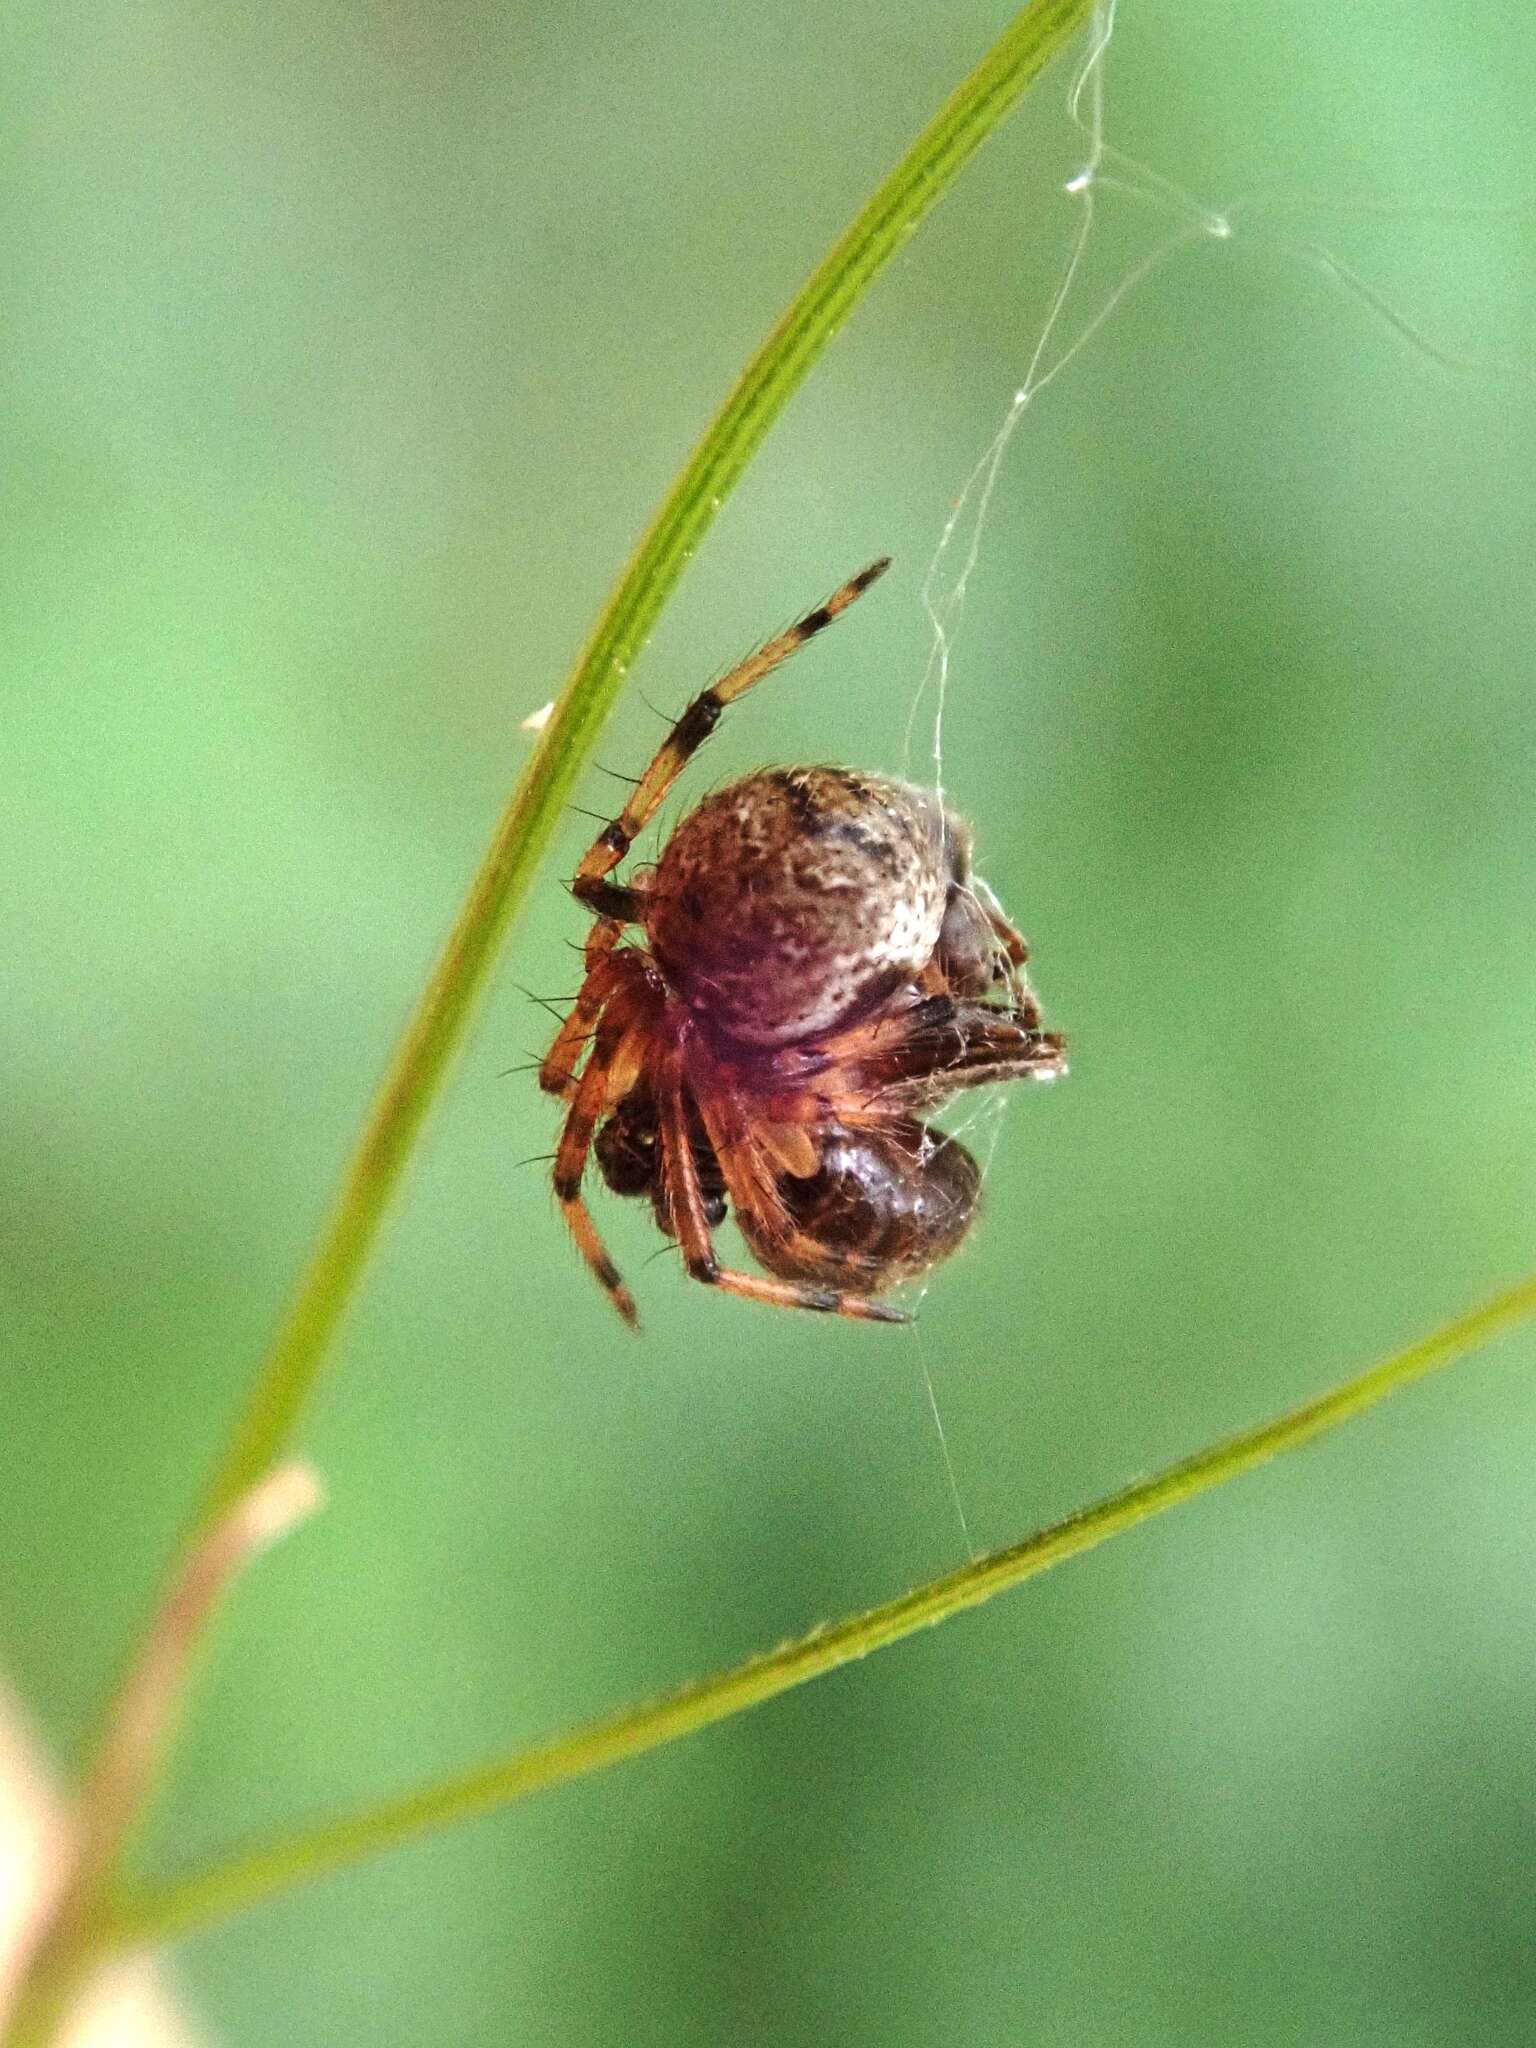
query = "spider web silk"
x=1179 y=220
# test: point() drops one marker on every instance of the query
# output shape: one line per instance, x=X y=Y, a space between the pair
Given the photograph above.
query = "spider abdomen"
x=794 y=899
x=884 y=1205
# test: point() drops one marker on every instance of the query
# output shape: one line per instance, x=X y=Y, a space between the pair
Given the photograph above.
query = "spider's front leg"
x=978 y=944
x=592 y=885
x=932 y=1051
x=557 y=1075
x=685 y=1199
x=618 y=1056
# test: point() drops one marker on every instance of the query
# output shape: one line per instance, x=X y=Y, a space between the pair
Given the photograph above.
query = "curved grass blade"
x=264 y=1430
x=162 y=1912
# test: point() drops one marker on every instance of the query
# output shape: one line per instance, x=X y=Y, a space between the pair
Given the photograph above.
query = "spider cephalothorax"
x=816 y=968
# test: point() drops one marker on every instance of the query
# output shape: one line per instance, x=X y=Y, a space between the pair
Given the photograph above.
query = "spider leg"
x=940 y=1048
x=606 y=972
x=591 y=884
x=916 y=1058
x=1008 y=935
x=1029 y=1010
x=1011 y=944
x=750 y=1186
x=1011 y=958
x=592 y=1097
x=1015 y=949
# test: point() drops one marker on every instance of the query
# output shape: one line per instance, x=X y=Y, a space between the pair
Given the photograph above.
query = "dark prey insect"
x=816 y=968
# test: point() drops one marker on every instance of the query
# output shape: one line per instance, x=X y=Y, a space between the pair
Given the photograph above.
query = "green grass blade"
x=160 y=1913
x=264 y=1430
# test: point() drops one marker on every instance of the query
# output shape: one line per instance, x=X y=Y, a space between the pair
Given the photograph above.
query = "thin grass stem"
x=267 y=1424
x=160 y=1913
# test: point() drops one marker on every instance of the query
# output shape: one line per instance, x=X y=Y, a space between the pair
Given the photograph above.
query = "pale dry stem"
x=54 y=1865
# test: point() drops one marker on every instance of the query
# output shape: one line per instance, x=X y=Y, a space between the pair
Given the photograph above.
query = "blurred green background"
x=348 y=348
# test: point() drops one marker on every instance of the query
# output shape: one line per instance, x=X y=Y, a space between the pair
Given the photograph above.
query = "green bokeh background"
x=349 y=346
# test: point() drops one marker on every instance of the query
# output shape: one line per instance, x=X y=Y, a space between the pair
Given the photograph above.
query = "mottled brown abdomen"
x=791 y=900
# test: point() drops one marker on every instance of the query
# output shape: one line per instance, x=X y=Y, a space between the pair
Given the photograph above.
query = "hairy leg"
x=592 y=885
x=604 y=977
x=915 y=1058
x=749 y=1183
x=594 y=1094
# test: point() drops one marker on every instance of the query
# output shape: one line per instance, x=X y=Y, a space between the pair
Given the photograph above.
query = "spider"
x=817 y=967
